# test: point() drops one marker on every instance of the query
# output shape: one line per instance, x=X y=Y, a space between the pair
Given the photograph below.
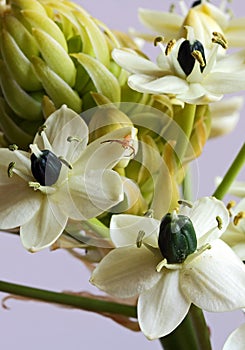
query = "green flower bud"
x=177 y=238
x=51 y=51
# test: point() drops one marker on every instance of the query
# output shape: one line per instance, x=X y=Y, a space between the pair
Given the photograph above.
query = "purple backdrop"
x=29 y=325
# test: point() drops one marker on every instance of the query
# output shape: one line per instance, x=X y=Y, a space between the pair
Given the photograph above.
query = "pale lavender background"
x=29 y=325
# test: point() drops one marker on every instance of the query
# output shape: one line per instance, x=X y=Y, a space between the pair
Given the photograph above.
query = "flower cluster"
x=96 y=143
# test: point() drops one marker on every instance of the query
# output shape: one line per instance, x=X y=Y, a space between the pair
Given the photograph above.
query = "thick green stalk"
x=231 y=174
x=192 y=333
x=75 y=301
x=185 y=119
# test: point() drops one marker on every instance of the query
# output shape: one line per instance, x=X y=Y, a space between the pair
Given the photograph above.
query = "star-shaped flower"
x=62 y=178
x=204 y=16
x=205 y=271
x=186 y=70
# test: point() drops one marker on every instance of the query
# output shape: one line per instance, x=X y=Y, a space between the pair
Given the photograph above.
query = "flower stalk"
x=231 y=174
x=68 y=300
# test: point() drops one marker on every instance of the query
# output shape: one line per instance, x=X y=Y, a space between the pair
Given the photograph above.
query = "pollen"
x=11 y=169
x=157 y=40
x=170 y=46
x=199 y=57
x=139 y=239
x=219 y=222
x=219 y=39
x=239 y=217
x=230 y=205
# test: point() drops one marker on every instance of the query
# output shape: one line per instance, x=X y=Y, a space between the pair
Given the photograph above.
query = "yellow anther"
x=170 y=46
x=219 y=39
x=34 y=185
x=185 y=203
x=139 y=239
x=219 y=222
x=158 y=40
x=65 y=162
x=41 y=129
x=11 y=169
x=199 y=57
x=73 y=138
x=230 y=205
x=13 y=147
x=239 y=217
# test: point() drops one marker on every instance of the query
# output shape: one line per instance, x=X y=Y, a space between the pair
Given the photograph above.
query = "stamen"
x=198 y=252
x=149 y=213
x=11 y=169
x=41 y=129
x=199 y=57
x=185 y=203
x=158 y=40
x=65 y=162
x=219 y=39
x=34 y=185
x=230 y=205
x=239 y=217
x=34 y=148
x=73 y=138
x=219 y=221
x=170 y=46
x=125 y=144
x=13 y=147
x=46 y=142
x=171 y=8
x=174 y=215
x=164 y=263
x=139 y=239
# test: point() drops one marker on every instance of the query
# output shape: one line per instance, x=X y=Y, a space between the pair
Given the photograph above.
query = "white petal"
x=164 y=23
x=60 y=125
x=18 y=201
x=215 y=280
x=127 y=271
x=203 y=215
x=105 y=152
x=168 y=84
x=162 y=308
x=236 y=340
x=124 y=229
x=134 y=63
x=225 y=83
x=44 y=227
x=198 y=94
x=93 y=193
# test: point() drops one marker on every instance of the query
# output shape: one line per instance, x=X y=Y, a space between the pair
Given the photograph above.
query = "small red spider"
x=125 y=144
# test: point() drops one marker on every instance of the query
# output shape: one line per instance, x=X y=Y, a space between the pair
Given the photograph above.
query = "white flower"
x=234 y=236
x=212 y=277
x=205 y=18
x=40 y=191
x=236 y=340
x=186 y=71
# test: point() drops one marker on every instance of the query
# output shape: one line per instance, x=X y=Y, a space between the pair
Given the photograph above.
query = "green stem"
x=185 y=119
x=192 y=333
x=231 y=174
x=75 y=301
x=187 y=184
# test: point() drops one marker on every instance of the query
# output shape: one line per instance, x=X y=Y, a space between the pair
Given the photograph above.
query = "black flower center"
x=45 y=167
x=189 y=53
x=177 y=238
x=196 y=3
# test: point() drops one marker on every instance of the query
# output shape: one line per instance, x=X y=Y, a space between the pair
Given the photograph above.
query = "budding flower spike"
x=180 y=260
x=58 y=180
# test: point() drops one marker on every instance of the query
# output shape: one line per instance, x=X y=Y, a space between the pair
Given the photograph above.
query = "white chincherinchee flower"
x=236 y=340
x=62 y=178
x=204 y=16
x=173 y=263
x=186 y=70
